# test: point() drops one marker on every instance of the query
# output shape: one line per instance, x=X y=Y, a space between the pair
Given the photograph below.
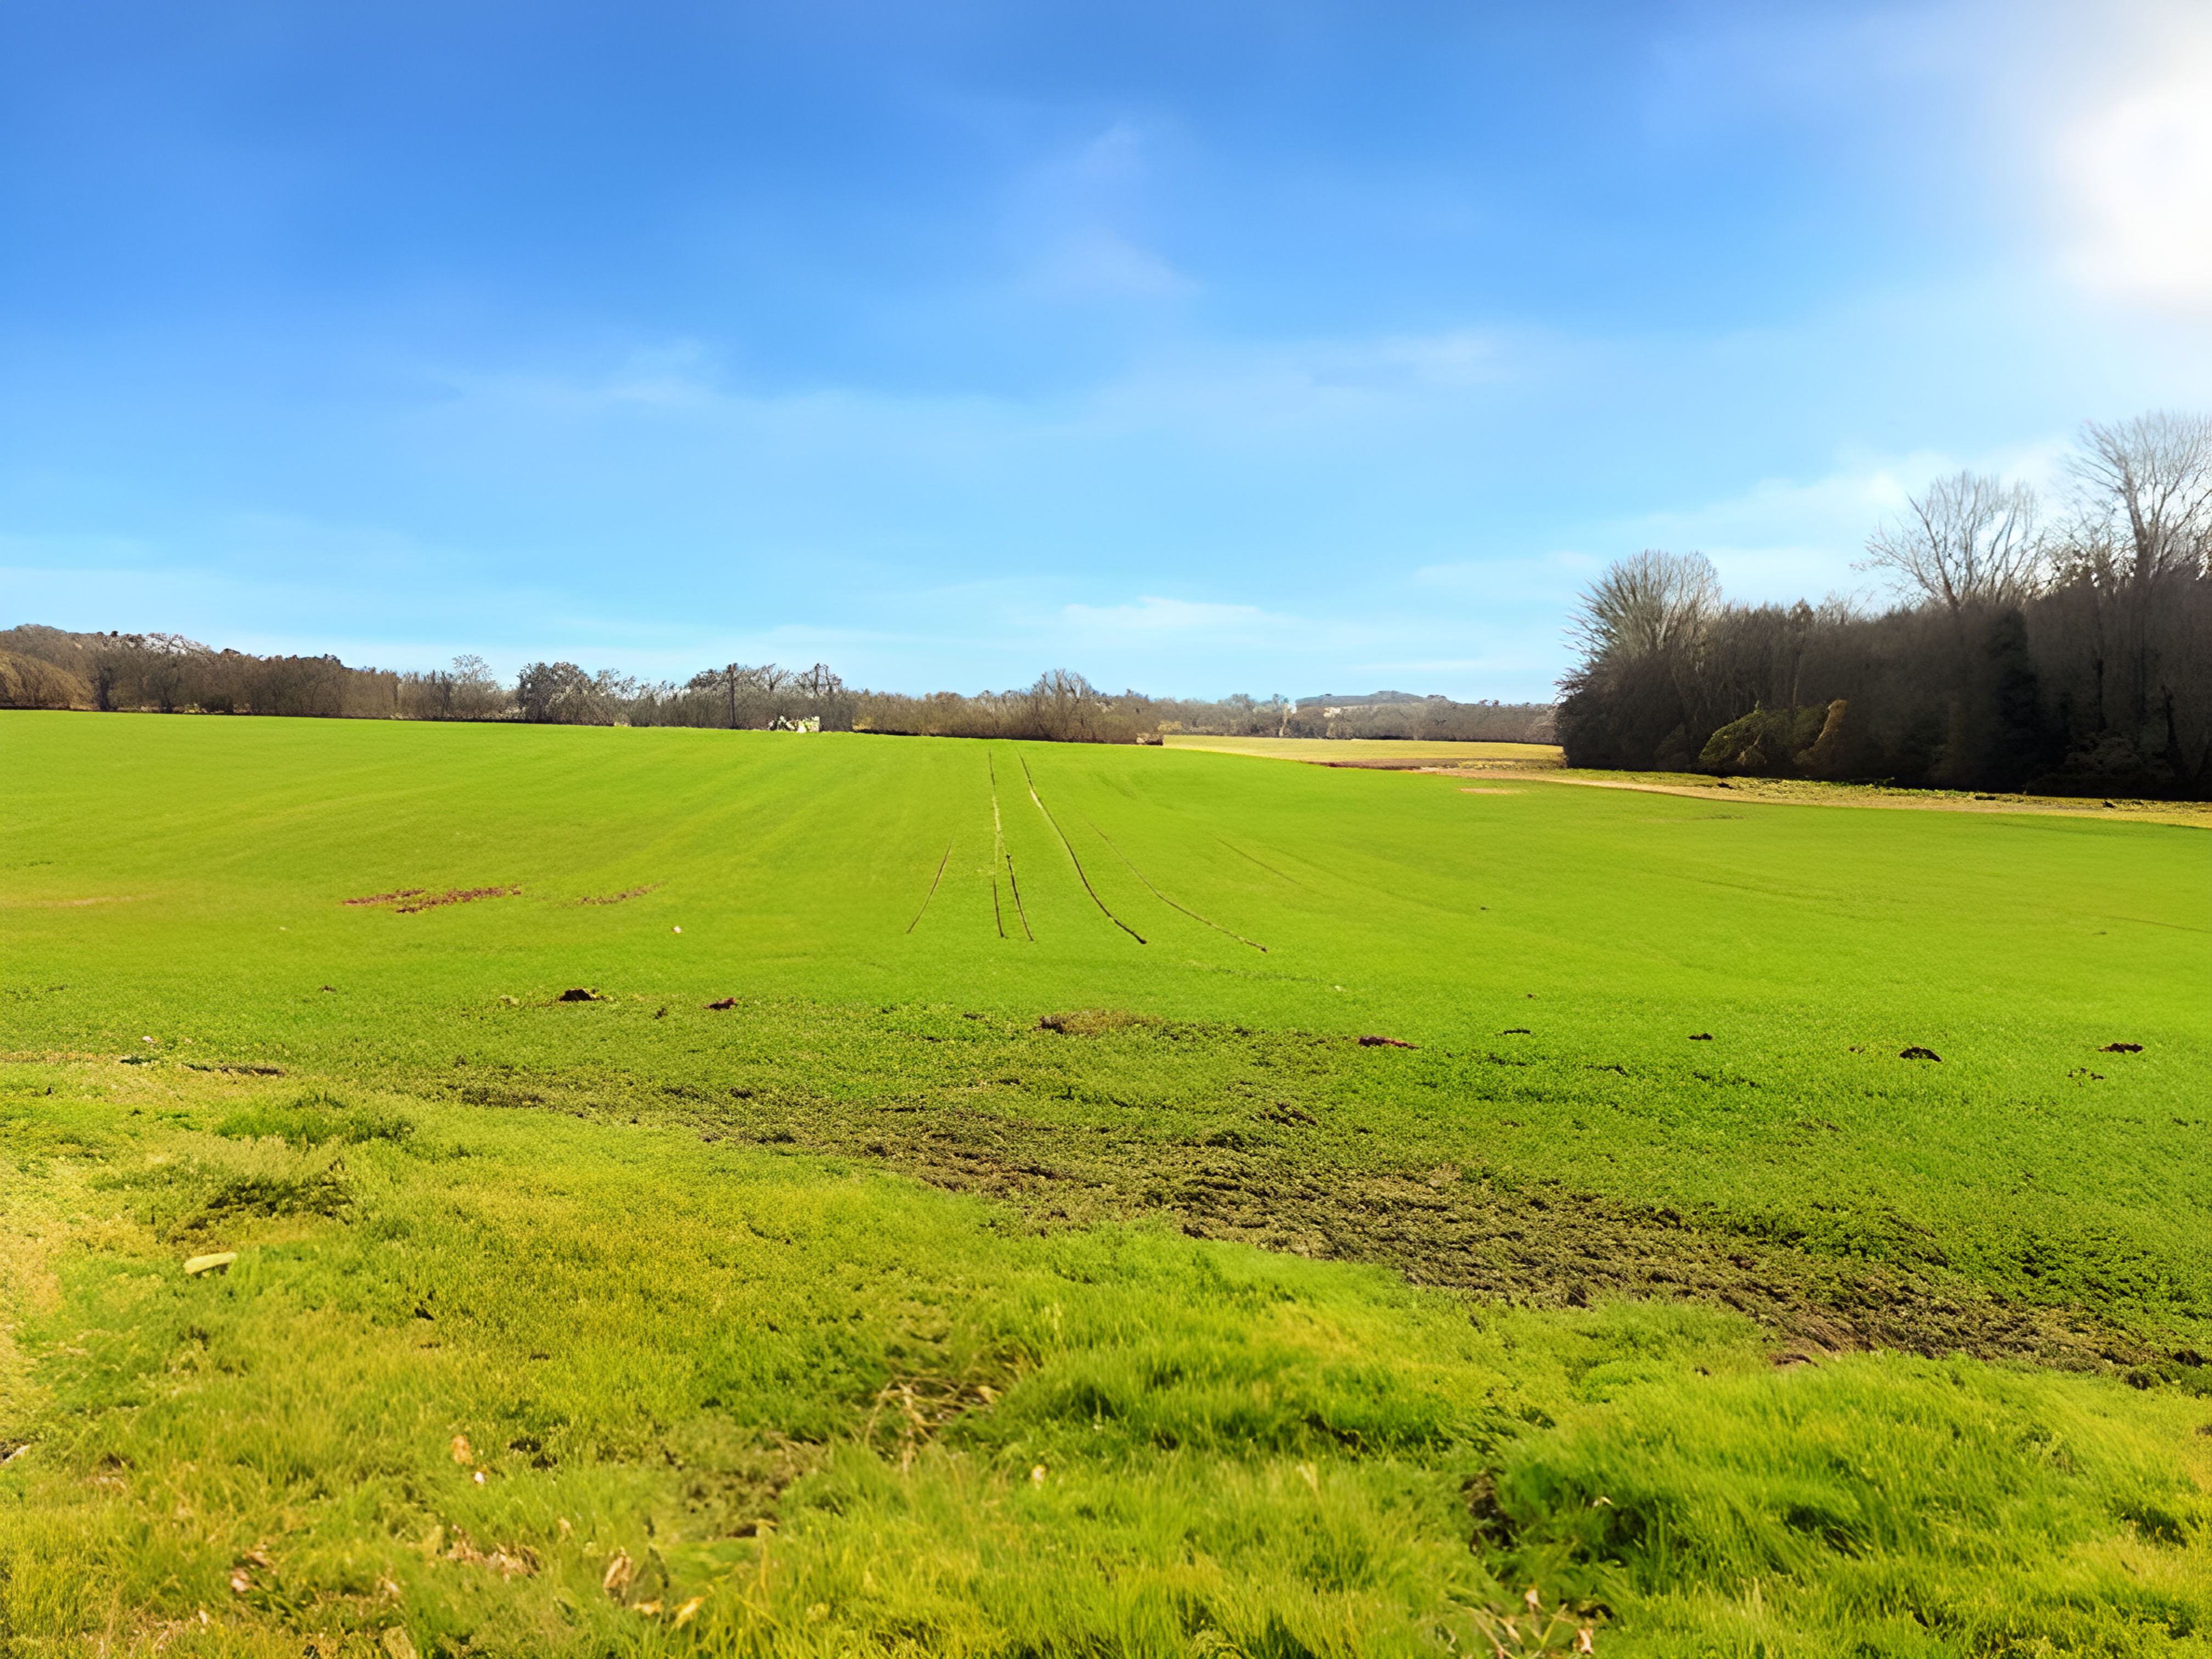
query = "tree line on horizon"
x=2063 y=652
x=2059 y=648
x=43 y=667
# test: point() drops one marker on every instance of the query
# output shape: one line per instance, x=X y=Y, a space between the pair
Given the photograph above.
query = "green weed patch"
x=313 y=1119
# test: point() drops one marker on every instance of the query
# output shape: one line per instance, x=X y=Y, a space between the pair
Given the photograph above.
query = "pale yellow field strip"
x=1537 y=762
x=1803 y=792
x=1359 y=749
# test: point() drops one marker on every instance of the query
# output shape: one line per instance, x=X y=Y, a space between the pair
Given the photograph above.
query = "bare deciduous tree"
x=475 y=692
x=2079 y=664
x=1970 y=539
x=28 y=683
x=1643 y=603
x=2144 y=489
x=556 y=692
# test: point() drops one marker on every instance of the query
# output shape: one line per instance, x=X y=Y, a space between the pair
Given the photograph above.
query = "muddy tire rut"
x=1547 y=1247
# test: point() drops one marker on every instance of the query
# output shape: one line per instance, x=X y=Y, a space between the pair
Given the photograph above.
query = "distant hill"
x=1368 y=700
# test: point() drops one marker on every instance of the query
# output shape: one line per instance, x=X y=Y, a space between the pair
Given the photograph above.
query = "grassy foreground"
x=868 y=1314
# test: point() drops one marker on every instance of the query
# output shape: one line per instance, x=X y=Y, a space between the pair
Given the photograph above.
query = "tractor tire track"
x=932 y=894
x=1165 y=900
x=1002 y=854
x=1079 y=873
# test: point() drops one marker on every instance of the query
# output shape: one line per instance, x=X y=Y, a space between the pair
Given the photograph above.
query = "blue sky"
x=1198 y=347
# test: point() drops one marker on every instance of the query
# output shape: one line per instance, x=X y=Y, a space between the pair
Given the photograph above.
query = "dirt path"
x=1775 y=792
x=1539 y=763
x=1345 y=751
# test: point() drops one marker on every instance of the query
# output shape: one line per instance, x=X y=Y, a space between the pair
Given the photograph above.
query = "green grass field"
x=1029 y=1258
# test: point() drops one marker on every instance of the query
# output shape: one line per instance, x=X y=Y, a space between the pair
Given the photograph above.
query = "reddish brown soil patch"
x=624 y=896
x=408 y=899
x=457 y=896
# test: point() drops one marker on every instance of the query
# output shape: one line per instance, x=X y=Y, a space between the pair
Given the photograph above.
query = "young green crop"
x=207 y=861
x=683 y=1285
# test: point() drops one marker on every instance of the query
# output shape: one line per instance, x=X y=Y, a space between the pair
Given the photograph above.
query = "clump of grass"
x=1897 y=1497
x=1089 y=1022
x=266 y=1196
x=603 y=1389
x=315 y=1119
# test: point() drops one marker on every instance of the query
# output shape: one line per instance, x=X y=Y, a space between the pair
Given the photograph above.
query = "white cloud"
x=1151 y=616
x=2090 y=125
x=1179 y=627
x=1782 y=540
x=1096 y=263
x=1845 y=503
x=1778 y=540
x=1077 y=222
x=677 y=375
x=1540 y=573
x=2139 y=173
x=1460 y=357
x=1247 y=398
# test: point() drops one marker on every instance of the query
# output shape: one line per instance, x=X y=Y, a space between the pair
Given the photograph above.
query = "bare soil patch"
x=1453 y=1229
x=407 y=901
x=624 y=896
x=1271 y=1173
